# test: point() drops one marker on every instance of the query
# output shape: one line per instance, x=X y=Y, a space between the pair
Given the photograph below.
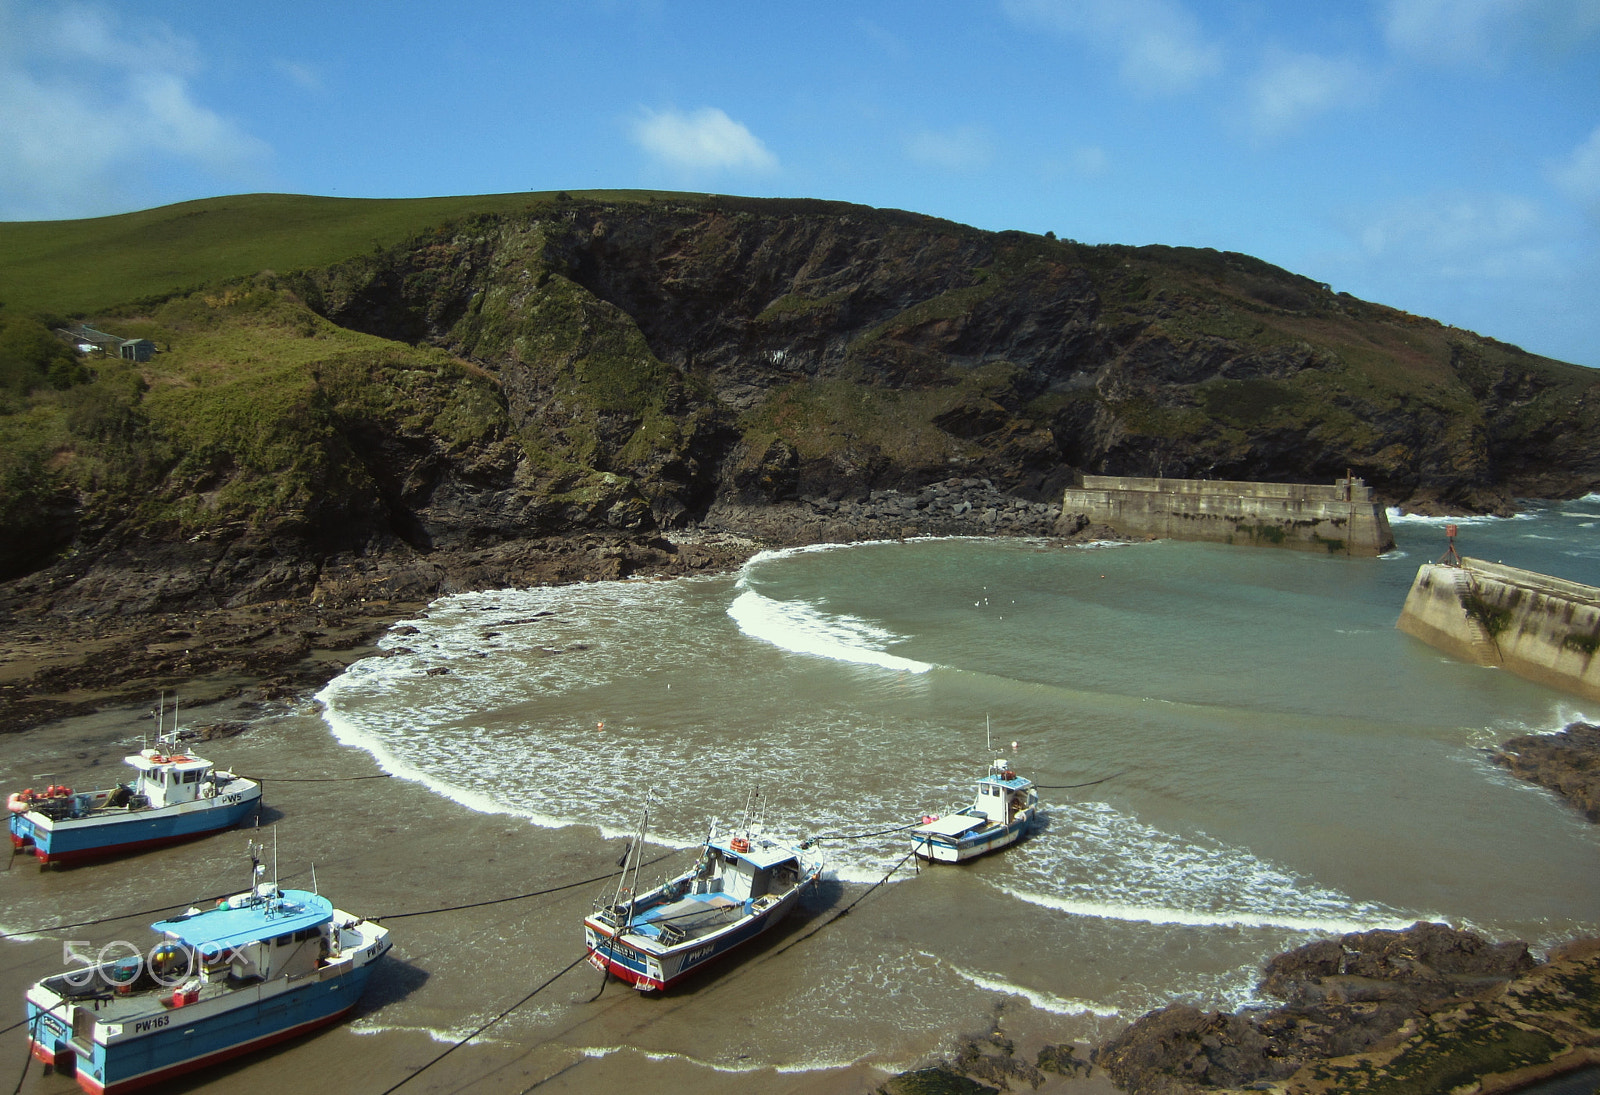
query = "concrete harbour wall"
x=1340 y=519
x=1542 y=628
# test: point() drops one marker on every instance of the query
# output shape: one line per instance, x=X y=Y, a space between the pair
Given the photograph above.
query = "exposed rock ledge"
x=1427 y=1010
x=1567 y=763
x=245 y=612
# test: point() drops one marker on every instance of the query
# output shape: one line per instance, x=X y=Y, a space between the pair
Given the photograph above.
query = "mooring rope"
x=314 y=779
x=857 y=836
x=515 y=897
x=536 y=990
x=1075 y=786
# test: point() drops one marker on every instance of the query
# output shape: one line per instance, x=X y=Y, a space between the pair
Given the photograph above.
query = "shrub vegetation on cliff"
x=551 y=361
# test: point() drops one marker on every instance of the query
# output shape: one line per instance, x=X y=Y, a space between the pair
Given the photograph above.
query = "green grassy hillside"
x=82 y=267
x=477 y=370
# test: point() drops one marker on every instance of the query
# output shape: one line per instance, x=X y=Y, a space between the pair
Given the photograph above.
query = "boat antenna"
x=988 y=742
x=638 y=854
x=634 y=845
x=314 y=879
x=255 y=848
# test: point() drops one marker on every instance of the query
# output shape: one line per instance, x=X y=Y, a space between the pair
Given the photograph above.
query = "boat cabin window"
x=296 y=937
x=192 y=777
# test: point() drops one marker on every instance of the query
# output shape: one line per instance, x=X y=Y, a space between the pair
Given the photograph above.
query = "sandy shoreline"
x=387 y=846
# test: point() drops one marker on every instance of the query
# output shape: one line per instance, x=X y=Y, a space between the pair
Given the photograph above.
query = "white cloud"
x=302 y=76
x=1090 y=161
x=703 y=140
x=1579 y=174
x=1474 y=32
x=964 y=149
x=92 y=106
x=1159 y=43
x=1292 y=87
x=1472 y=236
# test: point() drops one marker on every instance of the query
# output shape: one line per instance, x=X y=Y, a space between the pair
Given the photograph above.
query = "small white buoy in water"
x=1013 y=747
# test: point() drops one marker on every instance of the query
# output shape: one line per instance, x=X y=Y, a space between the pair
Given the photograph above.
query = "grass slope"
x=83 y=267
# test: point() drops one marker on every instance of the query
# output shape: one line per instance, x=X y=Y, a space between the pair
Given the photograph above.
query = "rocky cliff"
x=762 y=351
x=455 y=410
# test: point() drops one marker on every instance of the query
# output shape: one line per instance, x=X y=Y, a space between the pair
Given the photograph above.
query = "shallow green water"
x=1284 y=764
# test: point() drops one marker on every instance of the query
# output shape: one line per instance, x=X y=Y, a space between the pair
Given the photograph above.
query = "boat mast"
x=635 y=849
x=255 y=848
x=638 y=855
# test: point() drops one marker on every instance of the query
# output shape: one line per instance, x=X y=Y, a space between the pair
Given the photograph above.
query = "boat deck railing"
x=692 y=916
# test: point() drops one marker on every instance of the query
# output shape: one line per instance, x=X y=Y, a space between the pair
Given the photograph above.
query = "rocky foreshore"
x=1567 y=763
x=248 y=613
x=1426 y=1010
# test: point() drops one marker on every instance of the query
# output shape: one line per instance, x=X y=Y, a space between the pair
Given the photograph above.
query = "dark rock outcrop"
x=583 y=388
x=1366 y=993
x=1567 y=763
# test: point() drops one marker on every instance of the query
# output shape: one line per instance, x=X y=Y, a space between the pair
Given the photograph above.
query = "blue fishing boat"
x=741 y=886
x=1001 y=813
x=174 y=796
x=262 y=966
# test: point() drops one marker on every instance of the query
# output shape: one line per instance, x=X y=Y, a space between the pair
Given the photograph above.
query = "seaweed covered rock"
x=1448 y=1002
x=1567 y=763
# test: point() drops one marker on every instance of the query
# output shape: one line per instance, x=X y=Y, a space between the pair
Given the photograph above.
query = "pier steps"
x=1540 y=627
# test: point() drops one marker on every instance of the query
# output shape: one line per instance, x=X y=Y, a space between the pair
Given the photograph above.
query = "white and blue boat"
x=1002 y=812
x=742 y=885
x=174 y=796
x=262 y=966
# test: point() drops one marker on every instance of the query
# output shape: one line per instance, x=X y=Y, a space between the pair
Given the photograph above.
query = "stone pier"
x=1536 y=626
x=1341 y=519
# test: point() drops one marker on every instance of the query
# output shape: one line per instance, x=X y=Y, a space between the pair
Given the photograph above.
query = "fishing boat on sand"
x=175 y=796
x=741 y=886
x=262 y=966
x=1001 y=813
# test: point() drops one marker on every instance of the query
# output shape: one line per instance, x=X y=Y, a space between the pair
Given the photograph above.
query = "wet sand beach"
x=383 y=847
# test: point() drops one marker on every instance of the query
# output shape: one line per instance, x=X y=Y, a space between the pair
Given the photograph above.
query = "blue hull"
x=185 y=1042
x=69 y=841
x=969 y=847
x=624 y=962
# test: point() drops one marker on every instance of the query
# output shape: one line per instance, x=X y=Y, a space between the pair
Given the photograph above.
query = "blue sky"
x=1440 y=156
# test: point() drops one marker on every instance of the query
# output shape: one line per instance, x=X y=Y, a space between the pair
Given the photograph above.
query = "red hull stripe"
x=83 y=855
x=139 y=1083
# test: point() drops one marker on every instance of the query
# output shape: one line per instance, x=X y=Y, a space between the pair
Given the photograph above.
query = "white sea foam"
x=1116 y=867
x=734 y=1068
x=1135 y=914
x=448 y=1037
x=1044 y=1001
x=18 y=935
x=802 y=629
x=1396 y=517
x=346 y=732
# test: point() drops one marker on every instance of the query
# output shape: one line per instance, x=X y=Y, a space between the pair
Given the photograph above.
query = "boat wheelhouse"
x=1002 y=812
x=262 y=966
x=741 y=886
x=174 y=796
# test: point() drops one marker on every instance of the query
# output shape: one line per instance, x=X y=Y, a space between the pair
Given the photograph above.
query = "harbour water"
x=1268 y=762
x=1278 y=762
